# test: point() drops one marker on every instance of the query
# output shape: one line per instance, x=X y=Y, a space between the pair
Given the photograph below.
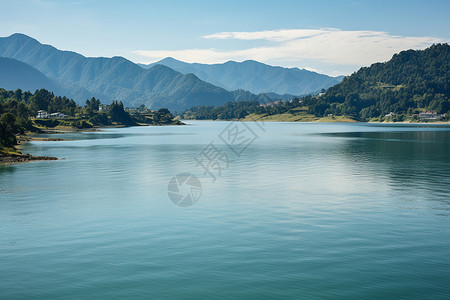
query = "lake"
x=230 y=210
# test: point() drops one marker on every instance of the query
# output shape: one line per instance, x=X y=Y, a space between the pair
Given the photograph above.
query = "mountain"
x=411 y=82
x=116 y=78
x=254 y=76
x=15 y=74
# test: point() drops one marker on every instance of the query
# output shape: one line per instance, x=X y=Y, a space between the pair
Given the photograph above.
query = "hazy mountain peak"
x=15 y=74
x=119 y=58
x=255 y=76
x=163 y=68
x=21 y=36
x=169 y=59
x=251 y=61
x=230 y=62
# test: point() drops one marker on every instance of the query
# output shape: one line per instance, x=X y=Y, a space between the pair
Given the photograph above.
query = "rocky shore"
x=13 y=155
x=22 y=158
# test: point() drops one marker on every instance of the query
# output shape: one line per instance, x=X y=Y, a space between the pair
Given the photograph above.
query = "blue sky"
x=331 y=37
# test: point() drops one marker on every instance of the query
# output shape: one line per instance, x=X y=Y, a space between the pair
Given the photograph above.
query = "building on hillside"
x=57 y=115
x=131 y=110
x=103 y=107
x=143 y=110
x=430 y=115
x=390 y=115
x=140 y=110
x=42 y=114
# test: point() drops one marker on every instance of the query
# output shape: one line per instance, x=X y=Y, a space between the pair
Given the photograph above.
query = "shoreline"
x=323 y=120
x=14 y=155
x=7 y=159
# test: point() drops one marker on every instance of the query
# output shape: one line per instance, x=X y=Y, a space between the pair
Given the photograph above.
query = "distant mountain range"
x=113 y=78
x=15 y=74
x=254 y=76
x=116 y=78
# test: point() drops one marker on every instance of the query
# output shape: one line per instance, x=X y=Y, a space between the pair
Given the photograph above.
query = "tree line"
x=240 y=109
x=17 y=108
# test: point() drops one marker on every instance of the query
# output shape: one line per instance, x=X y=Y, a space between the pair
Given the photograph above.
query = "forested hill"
x=412 y=81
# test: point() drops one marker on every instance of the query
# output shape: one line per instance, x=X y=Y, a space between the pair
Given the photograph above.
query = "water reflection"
x=414 y=161
x=6 y=169
x=108 y=135
x=440 y=137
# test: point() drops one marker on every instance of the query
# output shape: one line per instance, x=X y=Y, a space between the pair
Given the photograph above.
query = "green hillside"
x=411 y=82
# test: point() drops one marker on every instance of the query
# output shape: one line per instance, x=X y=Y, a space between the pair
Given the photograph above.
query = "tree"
x=18 y=94
x=8 y=129
x=88 y=111
x=118 y=114
x=93 y=103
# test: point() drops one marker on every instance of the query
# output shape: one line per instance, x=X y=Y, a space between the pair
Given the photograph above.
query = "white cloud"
x=324 y=46
x=271 y=35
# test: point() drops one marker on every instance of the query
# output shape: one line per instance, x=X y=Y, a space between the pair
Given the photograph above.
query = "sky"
x=329 y=37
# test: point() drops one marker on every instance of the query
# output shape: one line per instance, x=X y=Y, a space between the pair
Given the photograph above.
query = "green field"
x=299 y=114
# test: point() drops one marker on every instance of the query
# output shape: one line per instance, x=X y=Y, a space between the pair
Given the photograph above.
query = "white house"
x=103 y=107
x=390 y=115
x=431 y=115
x=42 y=114
x=57 y=115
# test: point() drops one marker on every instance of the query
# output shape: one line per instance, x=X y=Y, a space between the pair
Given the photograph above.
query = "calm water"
x=307 y=211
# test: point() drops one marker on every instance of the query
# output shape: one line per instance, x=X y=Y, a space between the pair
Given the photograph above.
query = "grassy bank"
x=299 y=114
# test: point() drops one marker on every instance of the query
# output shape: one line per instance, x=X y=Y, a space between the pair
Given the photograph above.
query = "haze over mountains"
x=15 y=74
x=113 y=78
x=254 y=76
x=117 y=78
